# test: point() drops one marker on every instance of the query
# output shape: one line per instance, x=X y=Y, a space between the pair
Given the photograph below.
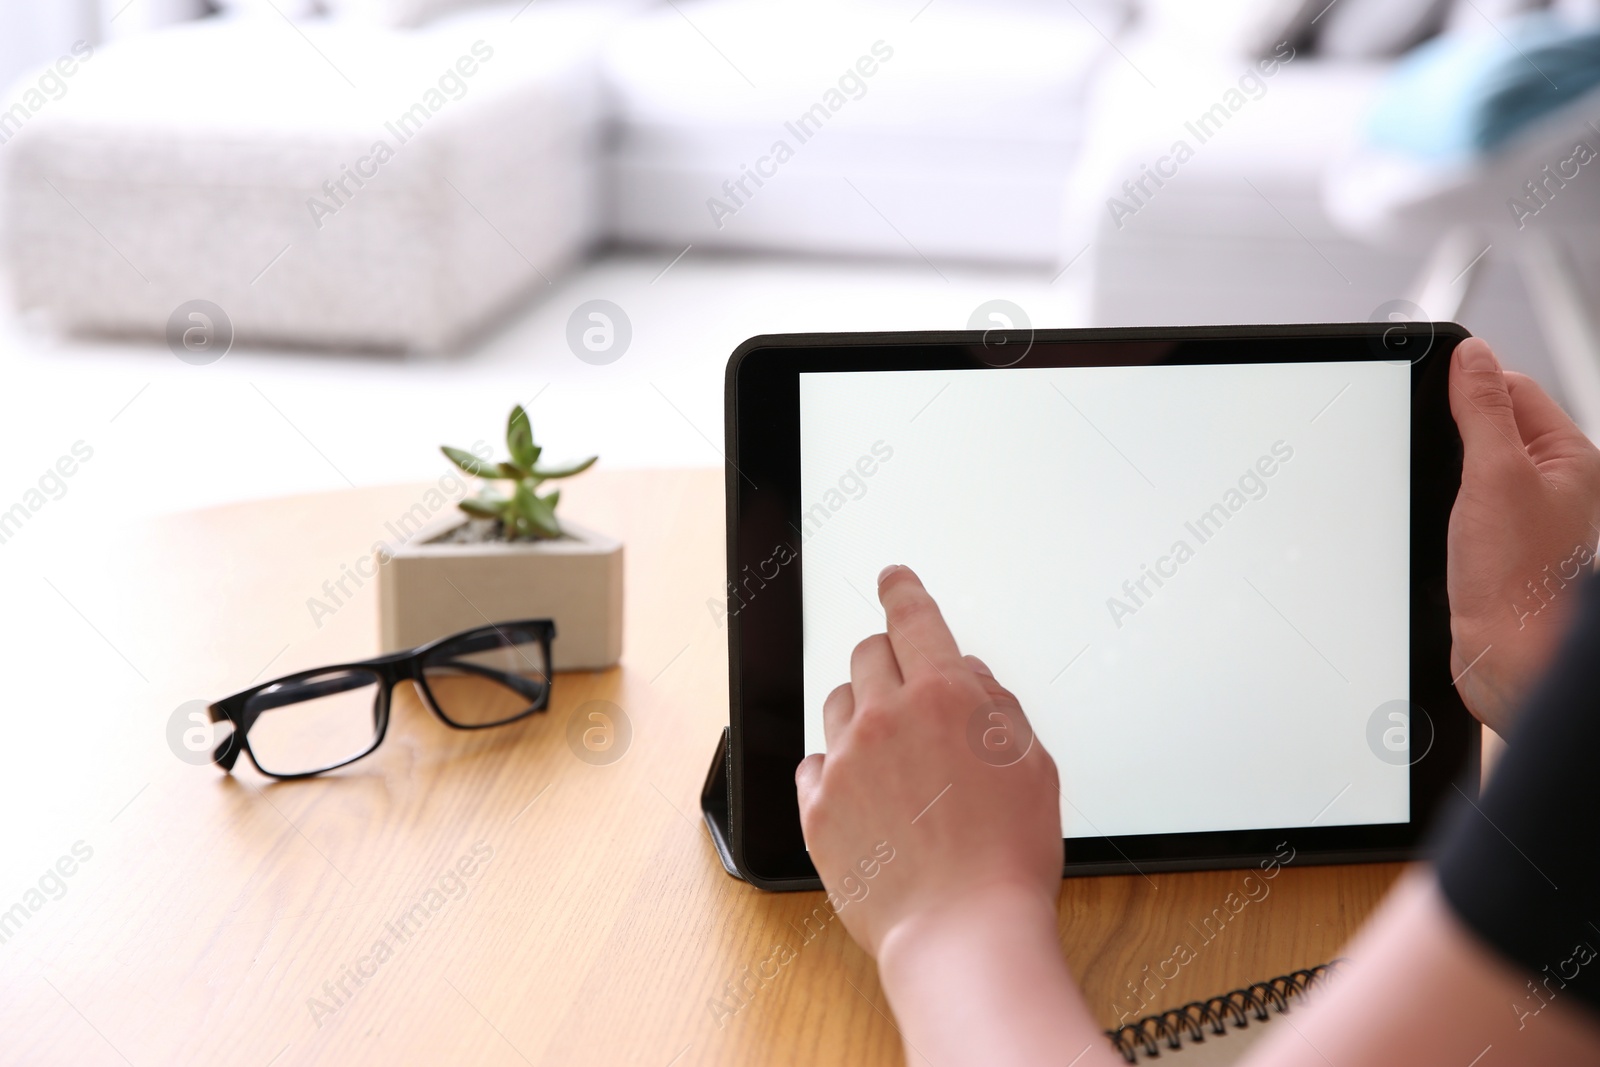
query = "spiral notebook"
x=1221 y=1029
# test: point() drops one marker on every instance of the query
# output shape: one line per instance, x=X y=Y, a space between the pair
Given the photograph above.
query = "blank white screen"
x=1234 y=694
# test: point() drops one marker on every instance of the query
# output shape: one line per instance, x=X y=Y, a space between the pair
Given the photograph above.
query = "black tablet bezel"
x=766 y=737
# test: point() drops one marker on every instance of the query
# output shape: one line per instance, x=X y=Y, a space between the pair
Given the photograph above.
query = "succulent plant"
x=524 y=513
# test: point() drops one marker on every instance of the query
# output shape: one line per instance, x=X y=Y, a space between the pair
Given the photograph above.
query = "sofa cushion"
x=1229 y=27
x=276 y=9
x=393 y=14
x=1373 y=29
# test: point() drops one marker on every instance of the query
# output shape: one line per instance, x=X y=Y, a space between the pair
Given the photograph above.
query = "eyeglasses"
x=314 y=721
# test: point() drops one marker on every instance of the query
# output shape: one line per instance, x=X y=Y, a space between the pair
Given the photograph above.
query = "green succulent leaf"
x=567 y=471
x=480 y=508
x=553 y=498
x=519 y=439
x=511 y=470
x=535 y=512
x=469 y=463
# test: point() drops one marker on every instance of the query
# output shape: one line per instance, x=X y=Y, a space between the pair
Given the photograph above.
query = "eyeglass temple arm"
x=527 y=687
x=296 y=692
x=493 y=636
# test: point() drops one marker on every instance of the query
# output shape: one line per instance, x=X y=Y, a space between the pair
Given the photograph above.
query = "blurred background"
x=257 y=247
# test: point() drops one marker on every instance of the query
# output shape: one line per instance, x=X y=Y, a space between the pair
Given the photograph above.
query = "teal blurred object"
x=1460 y=97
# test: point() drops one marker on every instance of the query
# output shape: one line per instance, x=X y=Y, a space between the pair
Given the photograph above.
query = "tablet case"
x=715 y=798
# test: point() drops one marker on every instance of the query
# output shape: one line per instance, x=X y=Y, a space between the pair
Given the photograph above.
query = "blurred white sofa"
x=331 y=183
x=869 y=128
x=942 y=133
x=185 y=164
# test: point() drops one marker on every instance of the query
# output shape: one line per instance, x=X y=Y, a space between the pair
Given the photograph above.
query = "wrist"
x=982 y=979
x=963 y=923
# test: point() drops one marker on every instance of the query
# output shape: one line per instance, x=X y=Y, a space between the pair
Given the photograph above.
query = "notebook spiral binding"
x=1148 y=1034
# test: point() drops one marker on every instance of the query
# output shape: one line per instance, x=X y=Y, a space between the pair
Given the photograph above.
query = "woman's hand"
x=943 y=863
x=900 y=779
x=1522 y=531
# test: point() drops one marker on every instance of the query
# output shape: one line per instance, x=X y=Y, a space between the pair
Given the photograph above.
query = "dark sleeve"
x=1521 y=865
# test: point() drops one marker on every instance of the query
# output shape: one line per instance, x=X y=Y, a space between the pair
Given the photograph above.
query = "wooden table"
x=228 y=920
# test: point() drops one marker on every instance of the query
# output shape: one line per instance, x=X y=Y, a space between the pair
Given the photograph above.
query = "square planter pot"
x=428 y=590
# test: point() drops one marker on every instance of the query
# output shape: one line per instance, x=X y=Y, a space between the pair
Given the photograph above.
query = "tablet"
x=1210 y=563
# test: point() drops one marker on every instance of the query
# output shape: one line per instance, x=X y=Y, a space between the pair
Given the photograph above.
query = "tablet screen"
x=1194 y=578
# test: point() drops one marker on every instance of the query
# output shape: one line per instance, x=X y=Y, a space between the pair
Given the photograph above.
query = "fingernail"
x=1477 y=355
x=890 y=569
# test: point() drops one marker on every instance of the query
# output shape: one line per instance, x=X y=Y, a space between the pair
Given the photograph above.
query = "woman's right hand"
x=1522 y=532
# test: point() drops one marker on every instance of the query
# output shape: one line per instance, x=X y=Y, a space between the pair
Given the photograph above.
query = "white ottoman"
x=951 y=135
x=351 y=187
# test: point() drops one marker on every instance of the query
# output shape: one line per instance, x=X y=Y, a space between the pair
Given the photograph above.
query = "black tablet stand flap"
x=715 y=799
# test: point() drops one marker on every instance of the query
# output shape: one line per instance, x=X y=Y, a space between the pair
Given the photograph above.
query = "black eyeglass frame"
x=387 y=671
